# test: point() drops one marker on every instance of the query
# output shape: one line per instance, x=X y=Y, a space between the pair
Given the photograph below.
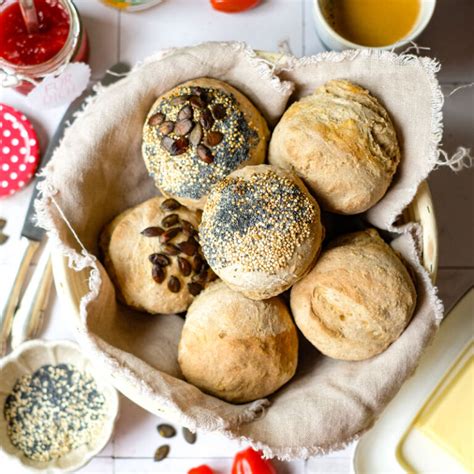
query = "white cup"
x=333 y=40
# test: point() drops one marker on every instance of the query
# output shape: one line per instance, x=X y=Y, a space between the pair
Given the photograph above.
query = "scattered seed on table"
x=167 y=431
x=54 y=411
x=161 y=453
x=189 y=436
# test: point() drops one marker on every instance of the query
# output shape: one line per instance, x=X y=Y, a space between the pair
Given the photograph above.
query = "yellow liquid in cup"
x=372 y=22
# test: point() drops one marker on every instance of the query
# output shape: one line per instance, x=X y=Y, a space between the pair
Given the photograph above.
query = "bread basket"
x=86 y=287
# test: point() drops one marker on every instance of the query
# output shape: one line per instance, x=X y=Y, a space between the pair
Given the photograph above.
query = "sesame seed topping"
x=257 y=222
x=53 y=411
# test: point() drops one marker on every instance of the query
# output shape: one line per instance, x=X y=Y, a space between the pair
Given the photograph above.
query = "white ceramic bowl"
x=332 y=40
x=29 y=357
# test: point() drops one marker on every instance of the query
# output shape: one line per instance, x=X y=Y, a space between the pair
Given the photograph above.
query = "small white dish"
x=334 y=41
x=28 y=358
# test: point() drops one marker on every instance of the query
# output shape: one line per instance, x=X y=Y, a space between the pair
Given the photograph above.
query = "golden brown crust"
x=126 y=258
x=261 y=230
x=235 y=348
x=341 y=142
x=185 y=176
x=357 y=300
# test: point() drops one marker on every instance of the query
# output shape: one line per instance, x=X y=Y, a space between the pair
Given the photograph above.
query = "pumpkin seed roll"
x=198 y=133
x=153 y=257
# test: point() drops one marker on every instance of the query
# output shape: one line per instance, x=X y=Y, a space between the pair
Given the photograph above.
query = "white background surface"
x=130 y=37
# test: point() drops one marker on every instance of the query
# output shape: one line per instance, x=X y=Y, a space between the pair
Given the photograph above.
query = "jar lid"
x=19 y=150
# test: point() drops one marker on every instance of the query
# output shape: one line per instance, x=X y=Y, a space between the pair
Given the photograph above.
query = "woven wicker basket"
x=73 y=285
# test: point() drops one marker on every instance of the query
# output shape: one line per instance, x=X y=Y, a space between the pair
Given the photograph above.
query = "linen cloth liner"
x=97 y=172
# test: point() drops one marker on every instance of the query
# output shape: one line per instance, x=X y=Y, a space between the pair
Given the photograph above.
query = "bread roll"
x=341 y=142
x=357 y=300
x=260 y=230
x=152 y=257
x=235 y=348
x=198 y=133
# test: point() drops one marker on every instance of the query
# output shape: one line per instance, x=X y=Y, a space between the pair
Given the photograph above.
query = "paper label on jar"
x=54 y=91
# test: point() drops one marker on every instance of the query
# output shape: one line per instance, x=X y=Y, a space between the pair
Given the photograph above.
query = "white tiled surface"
x=131 y=37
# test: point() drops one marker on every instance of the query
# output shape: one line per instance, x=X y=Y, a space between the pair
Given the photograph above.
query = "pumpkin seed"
x=206 y=119
x=196 y=135
x=219 y=111
x=165 y=430
x=194 y=288
x=181 y=99
x=185 y=113
x=179 y=146
x=188 y=228
x=167 y=143
x=198 y=263
x=189 y=436
x=166 y=127
x=184 y=266
x=156 y=119
x=169 y=234
x=189 y=247
x=183 y=127
x=158 y=273
x=214 y=138
x=170 y=249
x=159 y=259
x=205 y=154
x=161 y=453
x=170 y=204
x=170 y=220
x=200 y=92
x=196 y=101
x=152 y=231
x=174 y=284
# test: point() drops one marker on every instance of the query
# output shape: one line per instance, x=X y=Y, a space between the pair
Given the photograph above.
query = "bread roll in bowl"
x=341 y=142
x=260 y=230
x=236 y=348
x=152 y=256
x=198 y=133
x=357 y=299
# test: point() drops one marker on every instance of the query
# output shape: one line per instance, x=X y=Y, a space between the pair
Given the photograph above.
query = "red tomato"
x=201 y=470
x=249 y=461
x=233 y=6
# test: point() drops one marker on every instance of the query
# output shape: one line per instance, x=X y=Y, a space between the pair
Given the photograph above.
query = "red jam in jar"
x=26 y=58
x=17 y=46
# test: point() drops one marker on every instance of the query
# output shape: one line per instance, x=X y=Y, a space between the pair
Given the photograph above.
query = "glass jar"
x=76 y=49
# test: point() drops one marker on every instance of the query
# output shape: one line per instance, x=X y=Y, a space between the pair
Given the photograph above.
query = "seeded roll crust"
x=236 y=348
x=341 y=142
x=357 y=299
x=198 y=133
x=261 y=230
x=152 y=256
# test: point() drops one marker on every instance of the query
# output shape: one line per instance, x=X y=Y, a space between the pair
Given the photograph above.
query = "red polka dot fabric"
x=19 y=151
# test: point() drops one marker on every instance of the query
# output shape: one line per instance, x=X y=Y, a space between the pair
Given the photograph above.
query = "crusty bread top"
x=220 y=309
x=235 y=348
x=341 y=142
x=357 y=300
